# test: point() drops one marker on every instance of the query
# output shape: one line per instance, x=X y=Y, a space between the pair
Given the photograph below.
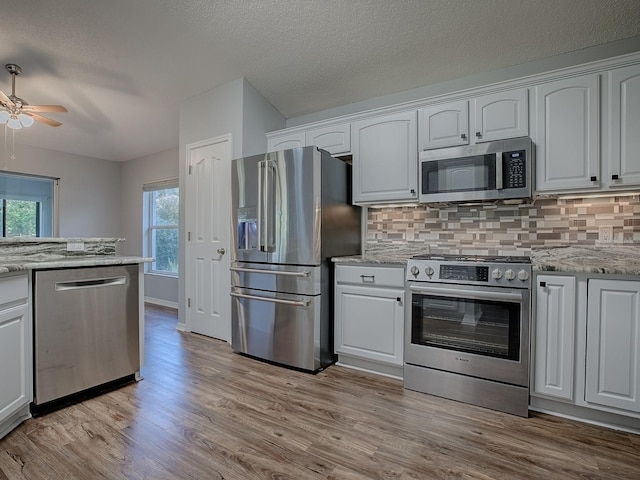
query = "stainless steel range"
x=467 y=331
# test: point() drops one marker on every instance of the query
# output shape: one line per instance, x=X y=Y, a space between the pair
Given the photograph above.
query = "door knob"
x=221 y=251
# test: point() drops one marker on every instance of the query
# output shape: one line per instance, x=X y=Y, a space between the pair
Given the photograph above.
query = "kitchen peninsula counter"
x=27 y=253
x=611 y=259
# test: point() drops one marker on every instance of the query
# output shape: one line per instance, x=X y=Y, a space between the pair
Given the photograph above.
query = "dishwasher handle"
x=91 y=283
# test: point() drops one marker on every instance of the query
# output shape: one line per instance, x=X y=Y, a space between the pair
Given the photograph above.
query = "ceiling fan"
x=17 y=113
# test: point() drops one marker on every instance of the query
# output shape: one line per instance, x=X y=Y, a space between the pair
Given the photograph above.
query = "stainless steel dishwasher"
x=86 y=329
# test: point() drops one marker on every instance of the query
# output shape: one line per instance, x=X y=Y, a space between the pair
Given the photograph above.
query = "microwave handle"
x=499 y=160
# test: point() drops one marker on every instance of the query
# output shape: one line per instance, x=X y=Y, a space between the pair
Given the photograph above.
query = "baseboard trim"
x=161 y=302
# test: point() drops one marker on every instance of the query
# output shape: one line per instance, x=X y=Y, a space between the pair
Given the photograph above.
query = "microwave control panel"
x=514 y=169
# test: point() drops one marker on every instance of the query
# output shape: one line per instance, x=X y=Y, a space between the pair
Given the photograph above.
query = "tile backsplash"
x=499 y=228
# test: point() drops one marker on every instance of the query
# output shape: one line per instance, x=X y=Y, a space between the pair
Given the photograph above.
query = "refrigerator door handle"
x=304 y=303
x=272 y=272
x=266 y=214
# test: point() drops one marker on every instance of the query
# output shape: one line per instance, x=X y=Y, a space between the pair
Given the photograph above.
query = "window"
x=162 y=214
x=26 y=205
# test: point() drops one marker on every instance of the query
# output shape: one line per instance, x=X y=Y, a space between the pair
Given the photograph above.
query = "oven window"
x=459 y=175
x=481 y=327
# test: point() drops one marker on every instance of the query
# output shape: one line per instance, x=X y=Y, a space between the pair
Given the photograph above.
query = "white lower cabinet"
x=16 y=374
x=555 y=336
x=613 y=344
x=369 y=318
x=587 y=347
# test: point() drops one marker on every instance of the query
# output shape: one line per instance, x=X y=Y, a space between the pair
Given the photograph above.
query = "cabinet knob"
x=594 y=179
x=543 y=284
x=398 y=299
x=478 y=134
x=463 y=136
x=413 y=191
x=614 y=177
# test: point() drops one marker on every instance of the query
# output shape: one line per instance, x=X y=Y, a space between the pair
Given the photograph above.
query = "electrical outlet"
x=605 y=234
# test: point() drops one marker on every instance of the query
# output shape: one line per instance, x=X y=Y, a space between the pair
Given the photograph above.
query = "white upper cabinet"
x=624 y=127
x=613 y=344
x=335 y=139
x=495 y=116
x=501 y=115
x=443 y=125
x=385 y=158
x=566 y=134
x=286 y=141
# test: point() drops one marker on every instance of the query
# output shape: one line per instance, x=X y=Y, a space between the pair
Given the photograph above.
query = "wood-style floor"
x=203 y=412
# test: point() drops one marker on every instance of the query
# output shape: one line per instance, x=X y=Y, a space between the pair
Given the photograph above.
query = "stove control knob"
x=509 y=274
x=523 y=275
x=496 y=274
x=429 y=271
x=415 y=271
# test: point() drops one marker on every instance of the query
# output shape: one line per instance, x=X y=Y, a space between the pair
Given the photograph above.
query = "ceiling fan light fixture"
x=4 y=116
x=14 y=123
x=26 y=120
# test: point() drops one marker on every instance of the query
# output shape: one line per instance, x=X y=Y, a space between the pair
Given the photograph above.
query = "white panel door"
x=208 y=281
x=555 y=336
x=613 y=344
x=624 y=126
x=443 y=125
x=567 y=134
x=335 y=139
x=501 y=115
x=385 y=158
x=16 y=373
x=370 y=323
x=286 y=141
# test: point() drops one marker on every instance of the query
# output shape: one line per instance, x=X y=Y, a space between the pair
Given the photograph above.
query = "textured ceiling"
x=122 y=67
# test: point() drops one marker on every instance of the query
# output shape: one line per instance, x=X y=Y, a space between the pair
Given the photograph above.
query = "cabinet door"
x=370 y=323
x=613 y=344
x=15 y=358
x=555 y=336
x=335 y=139
x=385 y=158
x=567 y=134
x=443 y=125
x=501 y=115
x=624 y=127
x=286 y=141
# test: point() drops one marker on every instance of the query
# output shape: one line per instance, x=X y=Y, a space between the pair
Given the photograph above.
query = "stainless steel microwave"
x=486 y=171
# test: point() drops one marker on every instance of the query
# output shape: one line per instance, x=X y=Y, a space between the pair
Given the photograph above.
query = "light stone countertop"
x=386 y=253
x=611 y=259
x=13 y=264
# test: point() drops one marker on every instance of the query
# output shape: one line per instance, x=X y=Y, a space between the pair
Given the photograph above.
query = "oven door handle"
x=470 y=294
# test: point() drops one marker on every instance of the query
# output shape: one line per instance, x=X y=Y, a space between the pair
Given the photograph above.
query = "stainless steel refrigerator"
x=291 y=213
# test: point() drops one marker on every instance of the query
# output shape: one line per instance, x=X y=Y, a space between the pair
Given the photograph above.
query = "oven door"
x=477 y=331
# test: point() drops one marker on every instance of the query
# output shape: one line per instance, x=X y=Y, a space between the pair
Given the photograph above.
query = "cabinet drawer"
x=363 y=275
x=14 y=290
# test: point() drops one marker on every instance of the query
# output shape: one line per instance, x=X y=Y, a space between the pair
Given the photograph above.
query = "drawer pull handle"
x=398 y=299
x=371 y=278
x=543 y=284
x=594 y=179
x=614 y=177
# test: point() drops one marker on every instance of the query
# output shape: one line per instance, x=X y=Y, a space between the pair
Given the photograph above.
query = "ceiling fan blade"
x=6 y=100
x=46 y=120
x=44 y=108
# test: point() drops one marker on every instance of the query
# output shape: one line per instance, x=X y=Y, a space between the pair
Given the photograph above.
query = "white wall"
x=89 y=191
x=235 y=108
x=133 y=175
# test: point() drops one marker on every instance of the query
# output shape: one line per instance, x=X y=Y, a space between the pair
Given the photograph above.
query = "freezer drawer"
x=281 y=328
x=86 y=329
